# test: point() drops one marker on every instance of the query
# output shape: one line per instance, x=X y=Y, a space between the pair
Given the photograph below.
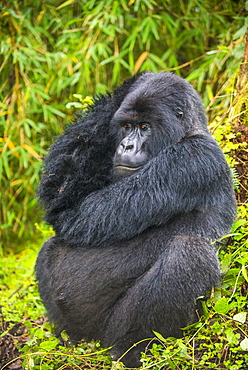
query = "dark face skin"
x=132 y=152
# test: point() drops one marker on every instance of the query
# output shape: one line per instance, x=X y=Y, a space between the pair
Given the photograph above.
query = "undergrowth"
x=219 y=340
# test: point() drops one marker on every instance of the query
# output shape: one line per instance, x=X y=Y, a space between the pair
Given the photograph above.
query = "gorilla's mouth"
x=122 y=168
x=127 y=168
x=121 y=171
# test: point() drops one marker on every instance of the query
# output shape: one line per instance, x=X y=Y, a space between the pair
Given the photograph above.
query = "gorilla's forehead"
x=130 y=114
x=154 y=92
x=135 y=109
x=159 y=85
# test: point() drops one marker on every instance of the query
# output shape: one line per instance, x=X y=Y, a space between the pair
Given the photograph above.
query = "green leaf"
x=73 y=104
x=226 y=262
x=240 y=32
x=66 y=3
x=237 y=224
x=159 y=336
x=245 y=273
x=48 y=345
x=231 y=337
x=222 y=306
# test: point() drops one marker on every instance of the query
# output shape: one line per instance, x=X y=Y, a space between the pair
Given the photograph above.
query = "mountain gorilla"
x=137 y=191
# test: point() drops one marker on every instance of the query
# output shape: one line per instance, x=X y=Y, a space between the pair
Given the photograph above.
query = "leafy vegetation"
x=54 y=58
x=218 y=341
x=50 y=52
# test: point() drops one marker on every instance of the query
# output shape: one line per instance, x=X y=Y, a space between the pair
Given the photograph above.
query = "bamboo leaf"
x=31 y=151
x=66 y=3
x=140 y=61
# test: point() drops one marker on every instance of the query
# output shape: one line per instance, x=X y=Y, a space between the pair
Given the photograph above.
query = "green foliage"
x=219 y=340
x=54 y=57
x=18 y=290
x=51 y=52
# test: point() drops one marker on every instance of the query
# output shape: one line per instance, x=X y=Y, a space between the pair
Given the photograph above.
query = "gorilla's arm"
x=80 y=161
x=189 y=176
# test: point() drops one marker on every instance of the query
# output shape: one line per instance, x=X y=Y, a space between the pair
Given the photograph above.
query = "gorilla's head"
x=159 y=110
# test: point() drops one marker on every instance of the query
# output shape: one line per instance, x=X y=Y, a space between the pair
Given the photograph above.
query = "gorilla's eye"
x=127 y=126
x=144 y=126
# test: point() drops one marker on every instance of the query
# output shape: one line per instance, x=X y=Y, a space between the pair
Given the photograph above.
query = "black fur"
x=133 y=256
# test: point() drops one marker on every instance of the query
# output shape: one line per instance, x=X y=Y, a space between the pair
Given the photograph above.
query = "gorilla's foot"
x=130 y=357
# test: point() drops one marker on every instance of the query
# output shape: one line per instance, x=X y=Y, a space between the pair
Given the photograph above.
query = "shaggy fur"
x=132 y=256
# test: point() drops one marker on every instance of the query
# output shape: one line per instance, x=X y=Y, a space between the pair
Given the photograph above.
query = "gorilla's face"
x=155 y=114
x=146 y=122
x=132 y=152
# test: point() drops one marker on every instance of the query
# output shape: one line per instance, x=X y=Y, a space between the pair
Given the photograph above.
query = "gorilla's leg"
x=163 y=298
x=119 y=295
x=81 y=286
x=48 y=277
